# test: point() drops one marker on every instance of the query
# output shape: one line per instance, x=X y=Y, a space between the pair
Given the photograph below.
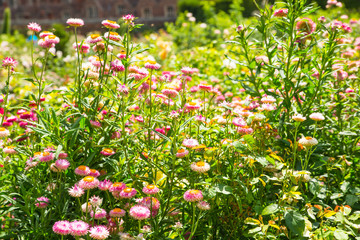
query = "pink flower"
x=306 y=25
x=128 y=18
x=107 y=152
x=82 y=170
x=88 y=182
x=9 y=150
x=128 y=192
x=139 y=212
x=112 y=36
x=117 y=213
x=239 y=122
x=181 y=153
x=62 y=164
x=245 y=130
x=78 y=228
x=171 y=93
x=317 y=116
x=282 y=12
x=9 y=62
x=99 y=232
x=34 y=27
x=75 y=22
x=61 y=227
x=94 y=38
x=76 y=191
x=152 y=65
x=83 y=47
x=51 y=39
x=99 y=213
x=190 y=143
x=105 y=185
x=110 y=24
x=117 y=66
x=187 y=70
x=202 y=205
x=192 y=105
x=150 y=202
x=4 y=132
x=95 y=124
x=42 y=202
x=150 y=189
x=205 y=87
x=117 y=187
x=45 y=34
x=200 y=167
x=193 y=195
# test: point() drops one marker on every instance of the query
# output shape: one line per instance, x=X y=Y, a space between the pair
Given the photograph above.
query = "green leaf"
x=347 y=133
x=272 y=208
x=295 y=221
x=351 y=199
x=222 y=188
x=340 y=234
x=262 y=161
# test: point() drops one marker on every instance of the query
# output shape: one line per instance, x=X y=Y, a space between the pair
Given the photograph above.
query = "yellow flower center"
x=107 y=150
x=194 y=192
x=82 y=168
x=51 y=36
x=37 y=154
x=46 y=154
x=192 y=104
x=151 y=62
x=122 y=51
x=109 y=21
x=2 y=129
x=114 y=33
x=93 y=36
x=128 y=190
x=117 y=210
x=93 y=170
x=151 y=186
x=200 y=164
x=117 y=184
x=89 y=179
x=308 y=138
x=181 y=150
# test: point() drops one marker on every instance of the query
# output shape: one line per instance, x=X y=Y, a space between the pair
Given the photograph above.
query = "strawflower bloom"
x=152 y=65
x=62 y=164
x=306 y=25
x=94 y=38
x=128 y=18
x=190 y=143
x=76 y=191
x=61 y=227
x=45 y=34
x=51 y=39
x=112 y=36
x=181 y=153
x=308 y=141
x=193 y=195
x=110 y=24
x=99 y=213
x=139 y=212
x=117 y=187
x=317 y=116
x=9 y=150
x=117 y=213
x=78 y=228
x=150 y=189
x=298 y=118
x=95 y=124
x=42 y=202
x=200 y=167
x=82 y=170
x=99 y=232
x=88 y=182
x=75 y=22
x=128 y=192
x=202 y=205
x=94 y=173
x=150 y=202
x=95 y=201
x=34 y=27
x=192 y=105
x=282 y=12
x=9 y=62
x=4 y=132
x=105 y=185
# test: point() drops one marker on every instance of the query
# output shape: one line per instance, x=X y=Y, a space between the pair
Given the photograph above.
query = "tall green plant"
x=6 y=28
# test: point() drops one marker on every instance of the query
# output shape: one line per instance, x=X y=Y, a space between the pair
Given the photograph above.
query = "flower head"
x=308 y=141
x=317 y=116
x=110 y=24
x=105 y=185
x=150 y=189
x=99 y=232
x=42 y=202
x=190 y=143
x=139 y=212
x=298 y=118
x=200 y=167
x=181 y=153
x=61 y=227
x=128 y=18
x=193 y=195
x=62 y=164
x=4 y=132
x=9 y=62
x=78 y=228
x=282 y=12
x=98 y=213
x=76 y=191
x=75 y=22
x=202 y=205
x=117 y=212
x=128 y=192
x=34 y=27
x=89 y=182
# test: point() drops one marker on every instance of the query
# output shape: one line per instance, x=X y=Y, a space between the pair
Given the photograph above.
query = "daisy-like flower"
x=94 y=38
x=187 y=70
x=42 y=202
x=95 y=201
x=128 y=18
x=62 y=164
x=298 y=118
x=152 y=65
x=63 y=155
x=282 y=12
x=171 y=93
x=105 y=185
x=192 y=106
x=45 y=34
x=107 y=152
x=193 y=195
x=245 y=130
x=239 y=122
x=117 y=187
x=317 y=116
x=83 y=47
x=9 y=150
x=99 y=213
x=86 y=207
x=146 y=201
x=34 y=27
x=150 y=189
x=200 y=167
x=94 y=173
x=181 y=153
x=128 y=192
x=112 y=36
x=202 y=205
x=46 y=156
x=306 y=25
x=117 y=213
x=61 y=227
x=139 y=212
x=51 y=39
x=76 y=191
x=75 y=22
x=99 y=232
x=95 y=124
x=4 y=132
x=44 y=44
x=88 y=182
x=9 y=62
x=205 y=87
x=117 y=66
x=190 y=143
x=268 y=99
x=82 y=170
x=110 y=24
x=78 y=228
x=308 y=141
